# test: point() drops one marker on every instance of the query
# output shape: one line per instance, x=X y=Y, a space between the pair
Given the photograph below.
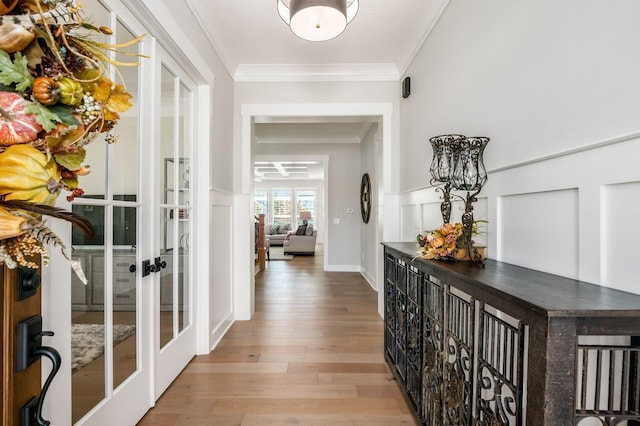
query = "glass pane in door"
x=184 y=205
x=124 y=180
x=88 y=319
x=171 y=191
x=166 y=276
x=87 y=316
x=124 y=184
x=124 y=293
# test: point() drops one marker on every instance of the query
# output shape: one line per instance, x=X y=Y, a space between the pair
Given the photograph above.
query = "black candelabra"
x=458 y=164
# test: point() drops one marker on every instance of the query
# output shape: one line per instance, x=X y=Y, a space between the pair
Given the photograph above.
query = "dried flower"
x=443 y=242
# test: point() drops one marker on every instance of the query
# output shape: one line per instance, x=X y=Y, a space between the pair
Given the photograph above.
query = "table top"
x=549 y=294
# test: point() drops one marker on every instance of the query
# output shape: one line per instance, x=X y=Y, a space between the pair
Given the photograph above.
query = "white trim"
x=439 y=9
x=161 y=23
x=219 y=332
x=309 y=140
x=567 y=152
x=243 y=282
x=316 y=72
x=543 y=158
x=342 y=268
x=368 y=278
x=202 y=206
x=199 y=18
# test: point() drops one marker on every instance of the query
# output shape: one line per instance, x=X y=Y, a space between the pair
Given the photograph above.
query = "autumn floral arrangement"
x=55 y=98
x=448 y=242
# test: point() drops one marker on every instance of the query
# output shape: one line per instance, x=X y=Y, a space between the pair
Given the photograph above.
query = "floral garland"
x=55 y=98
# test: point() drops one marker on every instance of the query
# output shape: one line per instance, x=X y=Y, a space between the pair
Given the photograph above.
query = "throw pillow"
x=275 y=229
x=301 y=230
x=309 y=230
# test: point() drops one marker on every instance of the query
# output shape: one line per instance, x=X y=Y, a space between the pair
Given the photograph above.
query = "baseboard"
x=219 y=332
x=342 y=268
x=369 y=279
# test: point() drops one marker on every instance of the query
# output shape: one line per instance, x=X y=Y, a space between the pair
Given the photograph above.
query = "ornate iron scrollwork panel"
x=433 y=356
x=500 y=371
x=401 y=319
x=459 y=364
x=390 y=307
x=414 y=336
x=607 y=370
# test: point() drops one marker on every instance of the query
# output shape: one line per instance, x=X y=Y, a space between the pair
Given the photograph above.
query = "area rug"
x=277 y=253
x=87 y=341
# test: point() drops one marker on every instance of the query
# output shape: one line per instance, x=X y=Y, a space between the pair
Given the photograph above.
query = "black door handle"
x=29 y=350
x=160 y=264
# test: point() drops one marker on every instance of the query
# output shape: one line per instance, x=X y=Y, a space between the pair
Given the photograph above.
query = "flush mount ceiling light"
x=317 y=20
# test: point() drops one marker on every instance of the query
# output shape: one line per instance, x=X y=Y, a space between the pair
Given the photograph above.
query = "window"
x=278 y=207
x=281 y=209
x=261 y=203
x=305 y=202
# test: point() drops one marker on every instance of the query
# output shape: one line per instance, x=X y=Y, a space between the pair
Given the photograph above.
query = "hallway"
x=311 y=355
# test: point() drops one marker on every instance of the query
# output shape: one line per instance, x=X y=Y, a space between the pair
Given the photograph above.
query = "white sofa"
x=301 y=244
x=276 y=237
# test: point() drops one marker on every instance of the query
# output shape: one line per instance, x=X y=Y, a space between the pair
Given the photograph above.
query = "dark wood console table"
x=506 y=345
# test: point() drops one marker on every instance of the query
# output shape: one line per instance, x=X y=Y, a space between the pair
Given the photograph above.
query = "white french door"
x=111 y=317
x=132 y=326
x=176 y=338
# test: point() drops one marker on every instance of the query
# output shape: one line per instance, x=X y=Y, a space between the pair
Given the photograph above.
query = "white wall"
x=369 y=249
x=554 y=85
x=343 y=180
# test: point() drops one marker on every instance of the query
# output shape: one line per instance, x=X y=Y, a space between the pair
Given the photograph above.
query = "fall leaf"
x=15 y=72
x=71 y=160
x=44 y=116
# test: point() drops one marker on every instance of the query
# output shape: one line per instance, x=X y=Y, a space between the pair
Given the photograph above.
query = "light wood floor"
x=311 y=355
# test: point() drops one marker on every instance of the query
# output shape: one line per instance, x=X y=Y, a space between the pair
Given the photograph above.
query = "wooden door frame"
x=17 y=388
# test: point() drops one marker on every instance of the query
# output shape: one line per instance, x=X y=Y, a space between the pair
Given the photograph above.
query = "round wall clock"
x=365 y=198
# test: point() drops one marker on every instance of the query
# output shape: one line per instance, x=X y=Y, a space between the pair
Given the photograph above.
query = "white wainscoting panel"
x=540 y=231
x=431 y=217
x=620 y=236
x=221 y=293
x=410 y=222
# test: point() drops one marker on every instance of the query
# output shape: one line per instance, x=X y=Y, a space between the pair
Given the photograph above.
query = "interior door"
x=110 y=316
x=174 y=330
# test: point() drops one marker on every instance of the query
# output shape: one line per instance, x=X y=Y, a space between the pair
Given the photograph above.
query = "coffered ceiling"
x=294 y=170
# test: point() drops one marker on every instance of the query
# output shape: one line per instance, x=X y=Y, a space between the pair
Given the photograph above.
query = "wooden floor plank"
x=311 y=355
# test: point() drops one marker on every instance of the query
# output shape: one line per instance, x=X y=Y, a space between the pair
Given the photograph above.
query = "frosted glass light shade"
x=317 y=20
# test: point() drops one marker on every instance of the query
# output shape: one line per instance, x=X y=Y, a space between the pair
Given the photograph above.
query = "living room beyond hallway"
x=312 y=354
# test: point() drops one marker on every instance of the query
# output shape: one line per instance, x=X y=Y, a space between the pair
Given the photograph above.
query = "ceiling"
x=254 y=41
x=256 y=45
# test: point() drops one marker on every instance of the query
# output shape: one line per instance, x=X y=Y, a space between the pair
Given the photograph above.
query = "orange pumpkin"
x=45 y=90
x=16 y=126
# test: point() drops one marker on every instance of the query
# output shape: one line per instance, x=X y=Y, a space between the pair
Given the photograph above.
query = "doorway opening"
x=340 y=216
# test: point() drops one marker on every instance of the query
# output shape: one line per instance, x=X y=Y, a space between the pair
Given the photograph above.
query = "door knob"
x=160 y=264
x=147 y=267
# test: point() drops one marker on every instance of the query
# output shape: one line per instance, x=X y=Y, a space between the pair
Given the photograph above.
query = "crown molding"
x=316 y=140
x=315 y=72
x=434 y=15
